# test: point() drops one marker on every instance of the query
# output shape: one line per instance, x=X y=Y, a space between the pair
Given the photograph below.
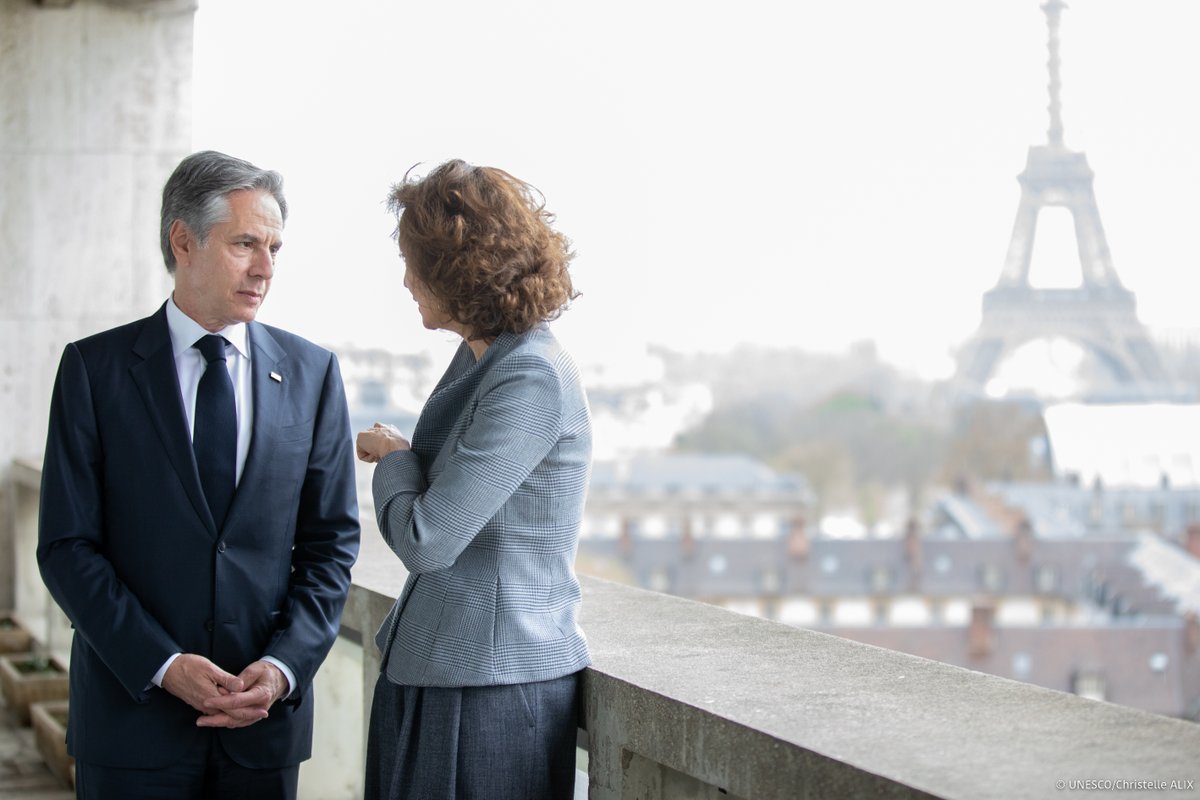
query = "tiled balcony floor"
x=23 y=774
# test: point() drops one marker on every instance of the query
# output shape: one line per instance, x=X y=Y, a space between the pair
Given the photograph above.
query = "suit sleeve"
x=514 y=427
x=71 y=540
x=326 y=539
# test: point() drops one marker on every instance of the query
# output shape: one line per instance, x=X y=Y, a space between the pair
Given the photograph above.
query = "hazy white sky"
x=808 y=174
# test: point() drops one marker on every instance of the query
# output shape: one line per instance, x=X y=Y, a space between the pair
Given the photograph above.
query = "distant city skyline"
x=806 y=176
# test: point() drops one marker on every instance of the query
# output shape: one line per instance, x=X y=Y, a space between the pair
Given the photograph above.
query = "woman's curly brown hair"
x=482 y=244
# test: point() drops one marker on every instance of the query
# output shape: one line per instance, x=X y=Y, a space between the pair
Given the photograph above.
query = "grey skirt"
x=513 y=742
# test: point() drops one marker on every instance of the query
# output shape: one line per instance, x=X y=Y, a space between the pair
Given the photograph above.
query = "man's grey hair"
x=197 y=194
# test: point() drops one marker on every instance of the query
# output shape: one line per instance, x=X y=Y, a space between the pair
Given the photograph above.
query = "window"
x=1022 y=666
x=765 y=526
x=910 y=612
x=1089 y=683
x=956 y=612
x=751 y=608
x=653 y=526
x=799 y=612
x=991 y=578
x=659 y=580
x=727 y=526
x=1018 y=612
x=881 y=578
x=770 y=581
x=1045 y=579
x=606 y=526
x=853 y=612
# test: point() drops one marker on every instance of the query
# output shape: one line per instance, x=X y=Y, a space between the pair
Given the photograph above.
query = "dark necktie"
x=214 y=438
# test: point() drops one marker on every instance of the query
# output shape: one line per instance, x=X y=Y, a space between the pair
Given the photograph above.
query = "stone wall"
x=95 y=111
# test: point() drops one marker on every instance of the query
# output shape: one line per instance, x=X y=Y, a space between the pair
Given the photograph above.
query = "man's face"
x=226 y=280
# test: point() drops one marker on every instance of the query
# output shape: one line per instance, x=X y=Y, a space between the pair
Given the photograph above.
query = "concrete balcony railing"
x=686 y=700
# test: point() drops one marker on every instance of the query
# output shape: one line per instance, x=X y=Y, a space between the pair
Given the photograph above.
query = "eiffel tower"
x=1100 y=314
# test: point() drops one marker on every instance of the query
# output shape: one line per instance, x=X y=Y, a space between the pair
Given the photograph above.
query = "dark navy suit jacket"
x=128 y=548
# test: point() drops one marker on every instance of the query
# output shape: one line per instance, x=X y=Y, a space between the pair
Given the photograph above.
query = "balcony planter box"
x=14 y=637
x=26 y=679
x=50 y=732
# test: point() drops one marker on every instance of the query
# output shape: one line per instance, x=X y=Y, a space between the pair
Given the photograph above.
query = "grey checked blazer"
x=484 y=511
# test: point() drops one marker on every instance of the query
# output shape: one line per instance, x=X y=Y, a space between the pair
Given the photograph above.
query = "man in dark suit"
x=198 y=518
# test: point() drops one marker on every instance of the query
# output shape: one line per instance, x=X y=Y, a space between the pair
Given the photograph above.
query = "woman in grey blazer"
x=482 y=652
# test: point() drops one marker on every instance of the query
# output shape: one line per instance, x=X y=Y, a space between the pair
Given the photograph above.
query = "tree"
x=994 y=440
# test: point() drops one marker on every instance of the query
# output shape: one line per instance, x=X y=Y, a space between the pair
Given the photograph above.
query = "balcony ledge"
x=684 y=695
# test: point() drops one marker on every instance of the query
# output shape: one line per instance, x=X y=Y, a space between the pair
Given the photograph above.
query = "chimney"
x=1192 y=540
x=1191 y=633
x=687 y=539
x=625 y=541
x=980 y=631
x=1023 y=539
x=798 y=543
x=912 y=545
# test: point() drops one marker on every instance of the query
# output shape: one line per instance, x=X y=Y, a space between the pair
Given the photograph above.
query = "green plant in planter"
x=35 y=664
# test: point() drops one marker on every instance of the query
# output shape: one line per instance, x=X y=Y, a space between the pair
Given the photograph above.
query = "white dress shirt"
x=190 y=366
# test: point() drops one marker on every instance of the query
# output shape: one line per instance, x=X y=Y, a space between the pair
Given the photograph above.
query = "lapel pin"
x=275 y=376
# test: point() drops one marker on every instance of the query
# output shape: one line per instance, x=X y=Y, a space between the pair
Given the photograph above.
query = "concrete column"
x=95 y=111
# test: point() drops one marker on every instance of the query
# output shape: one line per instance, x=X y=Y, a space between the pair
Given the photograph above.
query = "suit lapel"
x=448 y=399
x=158 y=381
x=268 y=376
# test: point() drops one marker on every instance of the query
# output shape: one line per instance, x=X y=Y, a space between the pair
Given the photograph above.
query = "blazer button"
x=208 y=625
x=221 y=546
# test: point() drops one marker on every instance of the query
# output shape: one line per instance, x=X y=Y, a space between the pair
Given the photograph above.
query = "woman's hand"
x=379 y=440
